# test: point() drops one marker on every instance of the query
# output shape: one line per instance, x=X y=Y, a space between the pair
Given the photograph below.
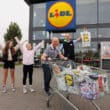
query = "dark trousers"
x=47 y=76
x=27 y=70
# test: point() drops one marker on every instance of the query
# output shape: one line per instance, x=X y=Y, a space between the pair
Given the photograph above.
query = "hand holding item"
x=16 y=37
x=49 y=59
x=65 y=58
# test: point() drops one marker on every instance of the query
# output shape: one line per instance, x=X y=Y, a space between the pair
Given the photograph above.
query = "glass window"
x=78 y=47
x=86 y=12
x=93 y=46
x=61 y=35
x=104 y=11
x=37 y=35
x=92 y=31
x=39 y=15
x=104 y=33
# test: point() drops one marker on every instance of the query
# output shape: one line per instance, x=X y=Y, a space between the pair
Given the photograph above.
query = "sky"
x=14 y=11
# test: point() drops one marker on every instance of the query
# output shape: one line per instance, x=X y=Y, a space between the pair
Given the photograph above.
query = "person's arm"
x=38 y=46
x=61 y=47
x=43 y=56
x=77 y=40
x=16 y=47
x=19 y=44
x=62 y=56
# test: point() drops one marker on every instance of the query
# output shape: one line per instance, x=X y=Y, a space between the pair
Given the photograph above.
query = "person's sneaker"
x=13 y=88
x=31 y=89
x=24 y=90
x=48 y=93
x=4 y=89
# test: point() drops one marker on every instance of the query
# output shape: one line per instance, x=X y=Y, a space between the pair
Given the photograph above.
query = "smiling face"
x=67 y=37
x=29 y=46
x=55 y=42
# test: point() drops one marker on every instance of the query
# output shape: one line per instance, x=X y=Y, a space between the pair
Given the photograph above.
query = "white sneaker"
x=31 y=89
x=4 y=89
x=24 y=90
x=13 y=88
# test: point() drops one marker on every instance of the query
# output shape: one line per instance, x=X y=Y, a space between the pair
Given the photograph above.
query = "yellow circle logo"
x=85 y=37
x=60 y=14
x=69 y=80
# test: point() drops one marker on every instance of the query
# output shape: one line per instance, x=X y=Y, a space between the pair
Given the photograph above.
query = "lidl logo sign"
x=69 y=80
x=60 y=15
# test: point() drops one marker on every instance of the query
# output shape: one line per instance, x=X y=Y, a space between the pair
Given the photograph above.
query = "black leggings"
x=27 y=69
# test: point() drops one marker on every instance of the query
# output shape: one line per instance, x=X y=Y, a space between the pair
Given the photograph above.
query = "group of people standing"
x=51 y=52
x=9 y=58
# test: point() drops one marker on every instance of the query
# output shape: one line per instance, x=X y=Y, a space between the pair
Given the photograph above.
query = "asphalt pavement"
x=37 y=100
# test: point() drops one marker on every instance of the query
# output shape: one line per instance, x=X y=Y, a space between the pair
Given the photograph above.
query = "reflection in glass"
x=38 y=35
x=39 y=15
x=104 y=13
x=104 y=32
x=86 y=12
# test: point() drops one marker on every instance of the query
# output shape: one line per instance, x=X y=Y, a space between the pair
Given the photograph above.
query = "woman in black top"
x=9 y=58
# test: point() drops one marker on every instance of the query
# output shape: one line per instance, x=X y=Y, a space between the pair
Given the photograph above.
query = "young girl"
x=9 y=58
x=28 y=61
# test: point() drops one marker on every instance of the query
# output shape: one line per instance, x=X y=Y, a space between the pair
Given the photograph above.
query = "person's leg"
x=25 y=71
x=30 y=74
x=12 y=72
x=30 y=77
x=5 y=75
x=47 y=76
x=24 y=74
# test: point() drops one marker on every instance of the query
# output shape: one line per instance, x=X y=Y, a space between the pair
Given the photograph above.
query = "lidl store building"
x=94 y=14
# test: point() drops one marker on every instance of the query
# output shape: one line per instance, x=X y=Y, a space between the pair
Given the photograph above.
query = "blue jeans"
x=47 y=70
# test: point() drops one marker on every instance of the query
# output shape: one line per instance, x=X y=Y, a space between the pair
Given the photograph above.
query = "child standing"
x=28 y=61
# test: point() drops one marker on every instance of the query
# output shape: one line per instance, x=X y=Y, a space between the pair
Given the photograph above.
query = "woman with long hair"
x=9 y=58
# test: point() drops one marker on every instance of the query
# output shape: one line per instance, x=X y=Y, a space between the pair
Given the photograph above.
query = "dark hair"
x=5 y=50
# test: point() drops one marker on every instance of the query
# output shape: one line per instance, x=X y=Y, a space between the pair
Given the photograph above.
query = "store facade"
x=93 y=14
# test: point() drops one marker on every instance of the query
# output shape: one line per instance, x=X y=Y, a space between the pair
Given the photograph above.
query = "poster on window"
x=86 y=39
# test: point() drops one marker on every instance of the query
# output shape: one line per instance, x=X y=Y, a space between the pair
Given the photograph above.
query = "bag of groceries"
x=88 y=90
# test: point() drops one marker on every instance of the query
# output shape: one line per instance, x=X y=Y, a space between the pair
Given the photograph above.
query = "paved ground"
x=37 y=100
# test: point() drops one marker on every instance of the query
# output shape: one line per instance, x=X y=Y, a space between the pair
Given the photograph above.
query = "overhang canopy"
x=29 y=2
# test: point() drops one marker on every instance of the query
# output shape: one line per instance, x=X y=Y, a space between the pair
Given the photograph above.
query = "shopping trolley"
x=72 y=78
